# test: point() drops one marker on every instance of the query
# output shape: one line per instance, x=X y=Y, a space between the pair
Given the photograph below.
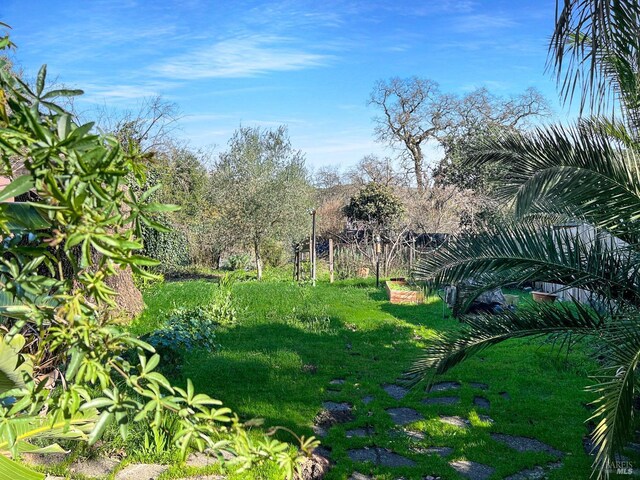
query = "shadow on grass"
x=183 y=277
x=356 y=283
x=281 y=372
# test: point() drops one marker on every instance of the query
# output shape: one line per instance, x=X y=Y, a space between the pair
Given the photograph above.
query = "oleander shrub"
x=82 y=226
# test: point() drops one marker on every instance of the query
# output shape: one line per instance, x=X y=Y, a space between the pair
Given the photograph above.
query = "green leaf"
x=42 y=75
x=62 y=93
x=26 y=447
x=27 y=427
x=64 y=126
x=9 y=303
x=101 y=425
x=15 y=471
x=21 y=217
x=77 y=356
x=12 y=365
x=19 y=186
x=101 y=402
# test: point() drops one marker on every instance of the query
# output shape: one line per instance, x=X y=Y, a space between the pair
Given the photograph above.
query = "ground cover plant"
x=294 y=347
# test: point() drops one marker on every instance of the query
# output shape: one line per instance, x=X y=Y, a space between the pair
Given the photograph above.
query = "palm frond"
x=484 y=330
x=621 y=335
x=585 y=31
x=577 y=170
x=614 y=411
x=519 y=252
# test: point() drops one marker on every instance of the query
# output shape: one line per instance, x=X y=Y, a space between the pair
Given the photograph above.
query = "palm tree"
x=588 y=174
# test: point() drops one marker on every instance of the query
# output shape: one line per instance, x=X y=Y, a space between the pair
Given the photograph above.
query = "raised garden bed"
x=544 y=297
x=399 y=291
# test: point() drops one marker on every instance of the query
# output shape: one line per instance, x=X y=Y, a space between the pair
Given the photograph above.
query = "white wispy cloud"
x=238 y=57
x=118 y=92
x=483 y=22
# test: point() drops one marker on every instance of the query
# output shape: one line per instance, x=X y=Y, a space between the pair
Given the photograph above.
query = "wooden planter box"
x=543 y=297
x=402 y=296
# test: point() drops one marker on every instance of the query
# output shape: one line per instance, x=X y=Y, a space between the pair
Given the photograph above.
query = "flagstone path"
x=333 y=413
x=442 y=393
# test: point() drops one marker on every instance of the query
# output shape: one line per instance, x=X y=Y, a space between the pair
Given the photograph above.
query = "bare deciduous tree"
x=413 y=112
x=149 y=128
x=372 y=168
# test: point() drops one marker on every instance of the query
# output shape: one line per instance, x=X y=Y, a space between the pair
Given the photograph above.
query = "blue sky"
x=308 y=64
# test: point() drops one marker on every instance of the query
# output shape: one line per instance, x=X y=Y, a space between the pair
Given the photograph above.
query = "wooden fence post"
x=412 y=250
x=331 y=260
x=385 y=254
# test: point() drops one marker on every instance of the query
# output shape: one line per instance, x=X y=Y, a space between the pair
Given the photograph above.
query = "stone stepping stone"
x=395 y=391
x=440 y=451
x=379 y=456
x=444 y=386
x=455 y=420
x=441 y=401
x=359 y=432
x=535 y=473
x=337 y=407
x=472 y=470
x=505 y=395
x=44 y=459
x=525 y=444
x=481 y=402
x=479 y=385
x=314 y=467
x=141 y=471
x=359 y=476
x=392 y=459
x=404 y=415
x=337 y=381
x=95 y=467
x=331 y=414
x=200 y=460
x=319 y=431
x=430 y=477
x=367 y=400
x=414 y=435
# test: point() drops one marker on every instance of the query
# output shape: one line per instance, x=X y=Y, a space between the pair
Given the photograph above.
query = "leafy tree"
x=262 y=189
x=373 y=212
x=480 y=116
x=585 y=175
x=83 y=206
x=375 y=204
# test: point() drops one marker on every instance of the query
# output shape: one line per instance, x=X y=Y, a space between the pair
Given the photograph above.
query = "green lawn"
x=291 y=341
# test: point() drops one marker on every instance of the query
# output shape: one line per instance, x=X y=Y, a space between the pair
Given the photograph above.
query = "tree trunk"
x=416 y=153
x=256 y=247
